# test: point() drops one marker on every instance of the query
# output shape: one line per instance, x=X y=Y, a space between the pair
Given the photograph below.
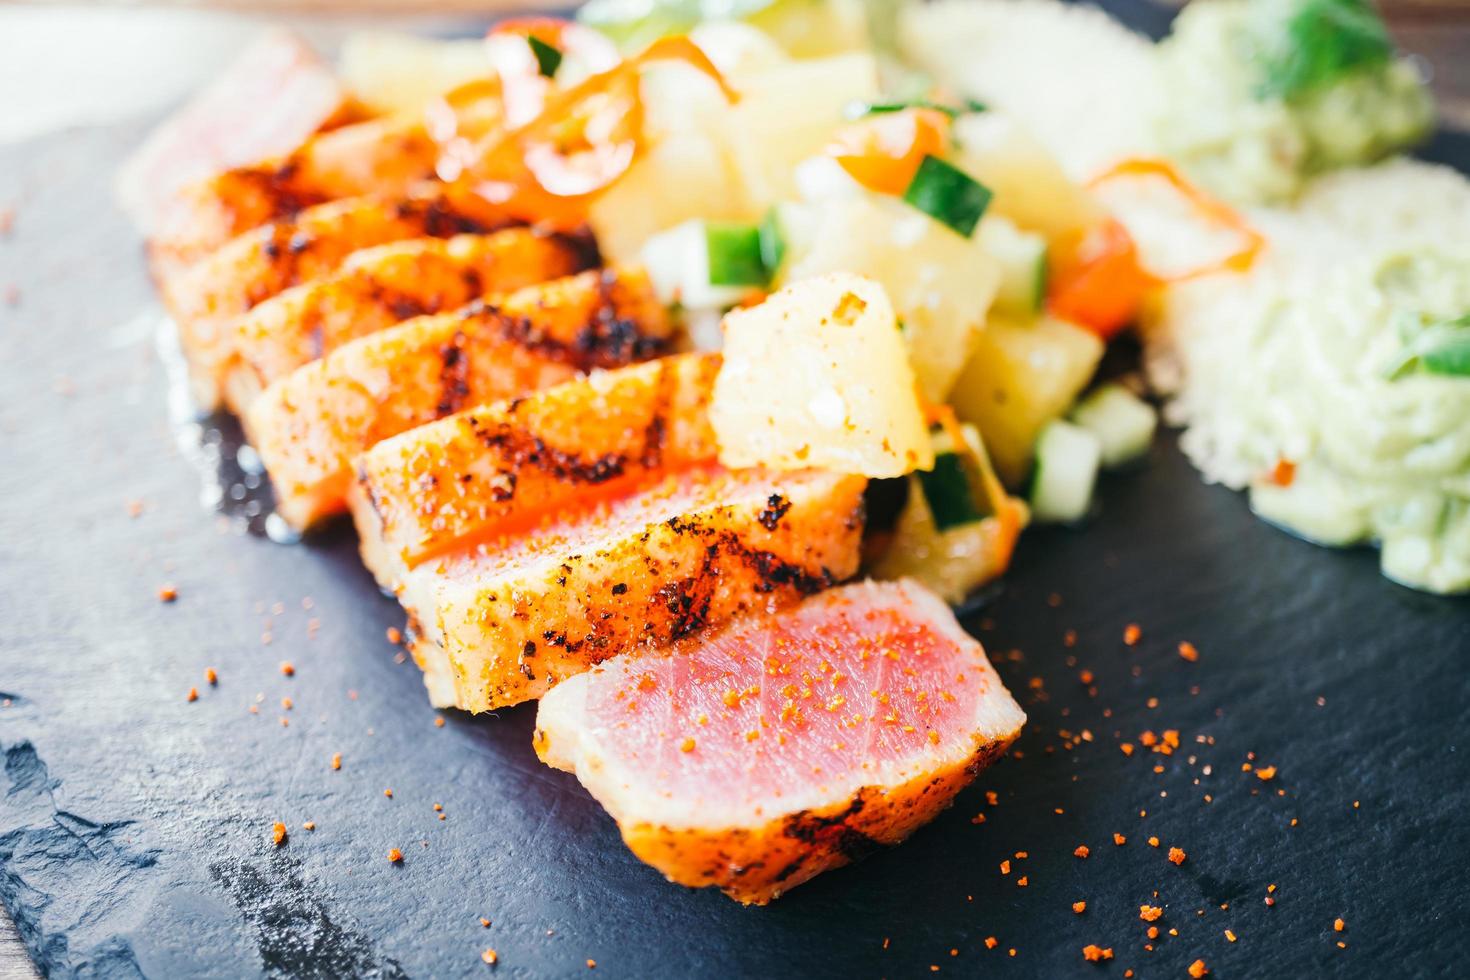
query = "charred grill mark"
x=828 y=835
x=406 y=307
x=275 y=188
x=688 y=600
x=776 y=508
x=581 y=244
x=582 y=353
x=453 y=376
x=474 y=283
x=520 y=449
x=439 y=219
x=655 y=433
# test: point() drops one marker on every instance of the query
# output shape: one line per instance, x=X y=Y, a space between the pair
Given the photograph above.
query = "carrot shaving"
x=551 y=168
x=884 y=153
x=1217 y=212
x=1097 y=277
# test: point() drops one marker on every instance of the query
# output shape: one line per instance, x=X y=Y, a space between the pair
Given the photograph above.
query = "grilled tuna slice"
x=378 y=287
x=503 y=620
x=757 y=757
x=254 y=266
x=385 y=156
x=266 y=103
x=431 y=489
x=388 y=155
x=308 y=425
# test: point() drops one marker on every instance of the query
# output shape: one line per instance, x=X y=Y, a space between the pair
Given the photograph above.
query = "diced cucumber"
x=1123 y=423
x=772 y=239
x=679 y=266
x=958 y=488
x=948 y=195
x=735 y=253
x=1022 y=258
x=1067 y=460
x=1023 y=374
x=949 y=493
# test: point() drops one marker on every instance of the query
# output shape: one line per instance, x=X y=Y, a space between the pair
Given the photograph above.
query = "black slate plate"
x=135 y=825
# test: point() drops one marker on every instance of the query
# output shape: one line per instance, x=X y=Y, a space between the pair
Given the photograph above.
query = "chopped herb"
x=1306 y=44
x=548 y=57
x=860 y=109
x=948 y=195
x=1438 y=347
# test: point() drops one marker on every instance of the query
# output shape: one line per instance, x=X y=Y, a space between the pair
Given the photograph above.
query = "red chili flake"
x=1096 y=954
x=1230 y=935
x=211 y=676
x=1149 y=913
x=1188 y=652
x=167 y=592
x=287 y=667
x=1338 y=925
x=395 y=855
x=484 y=922
x=1153 y=932
x=193 y=694
x=1176 y=855
x=1270 y=901
x=1081 y=851
x=978 y=818
x=1022 y=881
x=490 y=956
x=395 y=635
x=439 y=722
x=1198 y=969
x=1086 y=677
x=336 y=760
x=1079 y=907
x=591 y=964
x=1119 y=839
x=1127 y=748
x=278 y=833
x=1265 y=773
x=1283 y=473
x=1132 y=633
x=990 y=942
x=1153 y=842
x=1005 y=867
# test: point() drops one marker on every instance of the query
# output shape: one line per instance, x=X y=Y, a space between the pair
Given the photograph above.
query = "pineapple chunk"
x=393 y=72
x=787 y=114
x=940 y=283
x=953 y=562
x=818 y=376
x=1030 y=187
x=686 y=171
x=1020 y=377
x=815 y=28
